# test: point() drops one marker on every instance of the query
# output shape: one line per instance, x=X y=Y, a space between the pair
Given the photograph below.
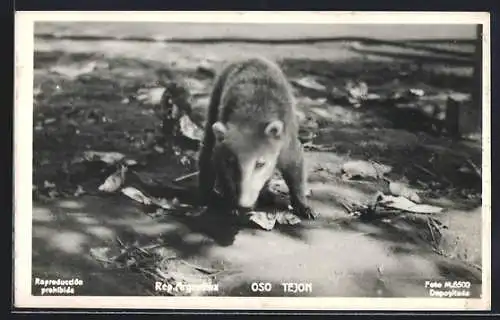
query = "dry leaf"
x=163 y=203
x=373 y=96
x=359 y=168
x=48 y=184
x=37 y=91
x=207 y=68
x=185 y=160
x=306 y=135
x=136 y=195
x=79 y=191
x=49 y=121
x=159 y=149
x=151 y=95
x=403 y=203
x=265 y=220
x=53 y=194
x=114 y=181
x=73 y=71
x=131 y=162
x=200 y=102
x=382 y=169
x=309 y=102
x=459 y=96
x=190 y=129
x=287 y=218
x=310 y=83
x=357 y=91
x=195 y=86
x=426 y=208
x=399 y=189
x=417 y=92
x=102 y=253
x=107 y=157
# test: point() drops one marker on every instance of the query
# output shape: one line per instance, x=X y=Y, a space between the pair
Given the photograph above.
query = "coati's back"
x=251 y=119
x=256 y=92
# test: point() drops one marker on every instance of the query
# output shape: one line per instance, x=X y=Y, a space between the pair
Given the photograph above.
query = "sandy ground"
x=337 y=254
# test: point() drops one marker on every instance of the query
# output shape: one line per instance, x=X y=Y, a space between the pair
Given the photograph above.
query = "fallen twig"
x=152 y=246
x=151 y=274
x=476 y=168
x=358 y=181
x=103 y=260
x=449 y=256
x=161 y=274
x=425 y=170
x=142 y=250
x=186 y=176
x=347 y=207
x=313 y=147
x=120 y=242
x=428 y=220
x=125 y=252
x=202 y=269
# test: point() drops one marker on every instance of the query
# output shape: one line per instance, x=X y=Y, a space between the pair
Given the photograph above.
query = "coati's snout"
x=248 y=157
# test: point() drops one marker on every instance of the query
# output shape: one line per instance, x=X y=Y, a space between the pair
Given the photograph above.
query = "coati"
x=251 y=129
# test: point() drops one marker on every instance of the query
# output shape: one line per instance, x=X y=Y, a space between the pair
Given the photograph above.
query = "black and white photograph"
x=254 y=160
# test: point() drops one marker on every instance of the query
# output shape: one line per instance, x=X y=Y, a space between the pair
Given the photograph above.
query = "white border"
x=24 y=38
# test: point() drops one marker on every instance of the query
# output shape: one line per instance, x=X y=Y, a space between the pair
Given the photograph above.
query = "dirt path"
x=338 y=254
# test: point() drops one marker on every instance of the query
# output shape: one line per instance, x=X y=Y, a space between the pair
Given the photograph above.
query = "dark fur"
x=250 y=93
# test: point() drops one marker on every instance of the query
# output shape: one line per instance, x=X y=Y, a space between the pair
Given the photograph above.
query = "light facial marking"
x=255 y=172
x=256 y=158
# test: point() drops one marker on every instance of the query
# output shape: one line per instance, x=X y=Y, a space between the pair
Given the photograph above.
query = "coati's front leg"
x=291 y=165
x=216 y=184
x=206 y=175
x=267 y=197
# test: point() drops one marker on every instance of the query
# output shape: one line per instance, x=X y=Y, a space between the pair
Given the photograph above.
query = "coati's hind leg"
x=291 y=165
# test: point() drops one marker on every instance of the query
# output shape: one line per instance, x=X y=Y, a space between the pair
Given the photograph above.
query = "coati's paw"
x=305 y=212
x=210 y=198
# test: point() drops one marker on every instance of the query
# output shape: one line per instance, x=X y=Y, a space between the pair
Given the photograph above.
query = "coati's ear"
x=274 y=129
x=219 y=130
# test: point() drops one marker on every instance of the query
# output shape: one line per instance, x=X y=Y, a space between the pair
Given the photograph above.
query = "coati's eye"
x=260 y=163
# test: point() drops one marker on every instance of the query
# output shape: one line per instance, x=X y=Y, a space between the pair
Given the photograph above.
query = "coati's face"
x=245 y=158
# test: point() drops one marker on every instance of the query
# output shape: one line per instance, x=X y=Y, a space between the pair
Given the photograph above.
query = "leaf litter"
x=402 y=201
x=157 y=262
x=114 y=181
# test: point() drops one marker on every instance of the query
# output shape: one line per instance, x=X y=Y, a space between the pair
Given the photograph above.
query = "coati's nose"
x=247 y=201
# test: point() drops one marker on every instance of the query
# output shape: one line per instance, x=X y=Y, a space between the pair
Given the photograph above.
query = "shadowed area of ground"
x=338 y=255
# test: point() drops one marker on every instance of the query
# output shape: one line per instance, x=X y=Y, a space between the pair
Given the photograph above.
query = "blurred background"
x=261 y=30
